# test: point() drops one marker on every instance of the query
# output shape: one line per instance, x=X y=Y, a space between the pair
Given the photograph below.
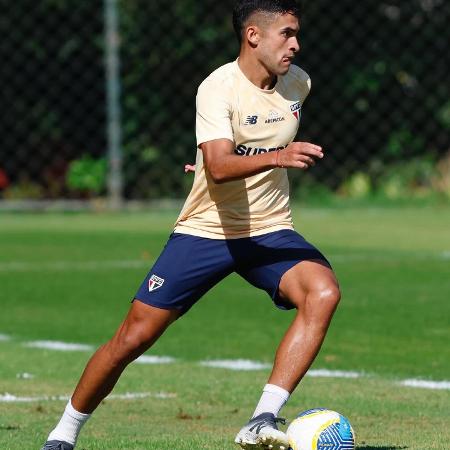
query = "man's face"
x=278 y=43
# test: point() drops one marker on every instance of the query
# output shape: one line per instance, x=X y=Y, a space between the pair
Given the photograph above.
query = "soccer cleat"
x=262 y=433
x=57 y=445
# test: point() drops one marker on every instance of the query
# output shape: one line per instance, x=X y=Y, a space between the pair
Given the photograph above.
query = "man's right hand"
x=300 y=155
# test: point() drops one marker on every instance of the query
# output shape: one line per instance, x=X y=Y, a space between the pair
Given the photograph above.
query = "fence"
x=75 y=112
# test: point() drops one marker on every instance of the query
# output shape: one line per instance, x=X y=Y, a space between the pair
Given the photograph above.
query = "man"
x=236 y=219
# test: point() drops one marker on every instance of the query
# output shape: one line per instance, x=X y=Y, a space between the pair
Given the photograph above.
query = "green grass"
x=60 y=280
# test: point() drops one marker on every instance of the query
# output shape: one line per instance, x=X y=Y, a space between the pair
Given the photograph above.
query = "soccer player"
x=236 y=218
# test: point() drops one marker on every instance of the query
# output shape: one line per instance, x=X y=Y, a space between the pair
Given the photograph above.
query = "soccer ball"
x=320 y=429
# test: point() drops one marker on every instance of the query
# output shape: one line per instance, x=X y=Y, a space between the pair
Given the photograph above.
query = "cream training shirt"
x=229 y=106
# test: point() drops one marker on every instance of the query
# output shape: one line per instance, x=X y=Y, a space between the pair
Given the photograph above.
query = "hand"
x=301 y=155
x=189 y=168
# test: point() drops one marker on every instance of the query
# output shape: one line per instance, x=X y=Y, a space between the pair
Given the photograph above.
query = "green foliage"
x=87 y=175
x=409 y=178
x=379 y=88
x=441 y=178
x=413 y=179
x=359 y=185
x=403 y=142
x=444 y=115
x=164 y=64
x=308 y=190
x=24 y=189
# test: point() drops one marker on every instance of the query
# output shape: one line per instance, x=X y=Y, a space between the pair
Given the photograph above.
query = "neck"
x=255 y=71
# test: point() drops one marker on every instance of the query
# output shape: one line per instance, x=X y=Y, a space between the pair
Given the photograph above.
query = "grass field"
x=69 y=278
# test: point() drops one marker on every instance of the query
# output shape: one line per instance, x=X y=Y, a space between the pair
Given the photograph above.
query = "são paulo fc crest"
x=154 y=283
x=296 y=109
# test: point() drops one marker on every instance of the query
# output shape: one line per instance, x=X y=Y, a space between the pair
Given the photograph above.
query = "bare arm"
x=223 y=165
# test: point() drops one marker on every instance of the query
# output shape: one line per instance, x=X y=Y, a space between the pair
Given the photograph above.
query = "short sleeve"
x=302 y=82
x=213 y=118
x=307 y=88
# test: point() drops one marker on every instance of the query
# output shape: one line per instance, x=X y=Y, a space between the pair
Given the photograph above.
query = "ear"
x=253 y=35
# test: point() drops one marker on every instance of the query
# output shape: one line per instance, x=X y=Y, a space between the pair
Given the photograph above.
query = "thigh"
x=273 y=255
x=186 y=269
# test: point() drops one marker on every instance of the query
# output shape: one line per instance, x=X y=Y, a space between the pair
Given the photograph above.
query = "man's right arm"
x=224 y=165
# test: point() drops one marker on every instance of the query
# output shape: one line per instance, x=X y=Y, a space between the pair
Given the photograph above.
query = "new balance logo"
x=154 y=283
x=251 y=120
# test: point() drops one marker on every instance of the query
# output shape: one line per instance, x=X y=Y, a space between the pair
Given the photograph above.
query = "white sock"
x=272 y=400
x=69 y=426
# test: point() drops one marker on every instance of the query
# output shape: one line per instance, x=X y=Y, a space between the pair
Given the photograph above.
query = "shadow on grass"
x=383 y=447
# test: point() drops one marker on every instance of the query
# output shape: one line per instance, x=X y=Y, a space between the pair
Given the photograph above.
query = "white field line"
x=40 y=266
x=247 y=365
x=52 y=266
x=235 y=364
x=59 y=346
x=153 y=359
x=333 y=373
x=74 y=347
x=10 y=398
x=4 y=338
x=425 y=384
x=25 y=376
x=231 y=364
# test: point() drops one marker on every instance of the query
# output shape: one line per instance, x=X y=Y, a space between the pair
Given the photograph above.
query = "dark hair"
x=243 y=9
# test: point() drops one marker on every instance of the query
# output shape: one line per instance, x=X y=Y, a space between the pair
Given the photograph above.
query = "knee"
x=126 y=346
x=322 y=304
x=329 y=295
x=323 y=296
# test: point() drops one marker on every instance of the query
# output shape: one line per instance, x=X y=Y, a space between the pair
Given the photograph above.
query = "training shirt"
x=257 y=121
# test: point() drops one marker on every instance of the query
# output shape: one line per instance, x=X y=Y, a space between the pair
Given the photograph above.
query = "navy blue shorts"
x=189 y=266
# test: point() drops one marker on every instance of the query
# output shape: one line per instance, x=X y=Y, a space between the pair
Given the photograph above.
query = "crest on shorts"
x=154 y=282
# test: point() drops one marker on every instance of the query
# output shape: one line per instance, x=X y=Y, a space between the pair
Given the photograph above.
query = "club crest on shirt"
x=154 y=283
x=296 y=109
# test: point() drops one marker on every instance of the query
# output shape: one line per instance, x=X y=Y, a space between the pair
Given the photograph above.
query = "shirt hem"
x=183 y=229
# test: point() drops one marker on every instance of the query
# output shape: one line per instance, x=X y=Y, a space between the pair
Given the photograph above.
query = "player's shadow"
x=383 y=447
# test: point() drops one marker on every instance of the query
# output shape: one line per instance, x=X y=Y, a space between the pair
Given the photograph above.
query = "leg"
x=143 y=325
x=171 y=286
x=313 y=289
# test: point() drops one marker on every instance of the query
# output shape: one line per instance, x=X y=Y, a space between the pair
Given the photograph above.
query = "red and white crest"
x=154 y=282
x=296 y=109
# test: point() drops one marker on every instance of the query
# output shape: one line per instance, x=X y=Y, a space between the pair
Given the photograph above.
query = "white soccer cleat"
x=262 y=433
